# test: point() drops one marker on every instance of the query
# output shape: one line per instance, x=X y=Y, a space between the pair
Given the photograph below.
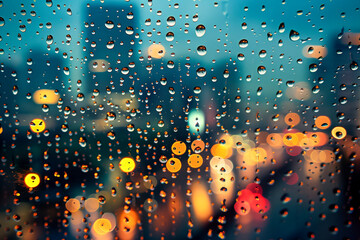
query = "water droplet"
x=201 y=50
x=170 y=36
x=110 y=116
x=262 y=53
x=2 y=21
x=82 y=141
x=294 y=35
x=243 y=43
x=80 y=97
x=110 y=45
x=261 y=70
x=200 y=30
x=109 y=24
x=313 y=67
x=197 y=90
x=49 y=39
x=49 y=3
x=354 y=66
x=201 y=72
x=45 y=108
x=129 y=30
x=130 y=127
x=316 y=89
x=310 y=50
x=15 y=90
x=343 y=100
x=282 y=27
x=241 y=57
x=171 y=21
x=102 y=200
x=290 y=83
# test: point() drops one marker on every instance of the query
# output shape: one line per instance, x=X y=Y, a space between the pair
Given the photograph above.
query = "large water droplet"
x=313 y=67
x=109 y=24
x=49 y=39
x=200 y=30
x=2 y=21
x=110 y=45
x=170 y=36
x=354 y=66
x=261 y=70
x=243 y=43
x=49 y=3
x=294 y=35
x=170 y=21
x=201 y=72
x=262 y=53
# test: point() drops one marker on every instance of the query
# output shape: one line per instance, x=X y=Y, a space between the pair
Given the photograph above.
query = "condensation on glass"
x=154 y=119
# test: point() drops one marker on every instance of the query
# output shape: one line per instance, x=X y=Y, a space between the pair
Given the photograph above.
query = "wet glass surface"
x=124 y=119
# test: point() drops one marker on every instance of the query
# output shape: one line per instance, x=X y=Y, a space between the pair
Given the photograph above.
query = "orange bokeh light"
x=221 y=150
x=322 y=122
x=275 y=140
x=292 y=119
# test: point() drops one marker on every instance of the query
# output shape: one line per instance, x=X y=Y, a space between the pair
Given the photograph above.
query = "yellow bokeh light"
x=338 y=132
x=227 y=138
x=306 y=143
x=319 y=138
x=255 y=156
x=127 y=164
x=290 y=139
x=320 y=156
x=102 y=226
x=111 y=217
x=37 y=125
x=32 y=180
x=45 y=96
x=223 y=186
x=201 y=202
x=156 y=51
x=221 y=150
x=220 y=165
x=198 y=146
x=235 y=140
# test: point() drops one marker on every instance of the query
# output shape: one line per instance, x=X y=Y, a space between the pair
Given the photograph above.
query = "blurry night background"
x=239 y=117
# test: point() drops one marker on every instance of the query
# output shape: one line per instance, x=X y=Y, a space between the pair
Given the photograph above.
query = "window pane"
x=124 y=119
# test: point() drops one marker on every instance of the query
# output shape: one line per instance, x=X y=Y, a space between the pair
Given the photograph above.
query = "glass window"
x=150 y=119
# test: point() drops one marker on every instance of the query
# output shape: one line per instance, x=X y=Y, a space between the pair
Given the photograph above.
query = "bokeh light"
x=179 y=119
